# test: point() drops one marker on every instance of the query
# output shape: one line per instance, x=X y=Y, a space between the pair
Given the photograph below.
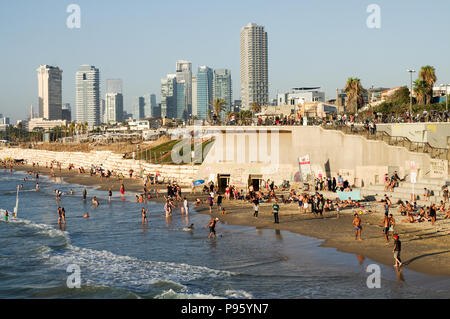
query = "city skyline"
x=309 y=44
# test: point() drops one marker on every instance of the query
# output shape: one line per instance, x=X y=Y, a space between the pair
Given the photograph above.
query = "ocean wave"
x=170 y=294
x=238 y=294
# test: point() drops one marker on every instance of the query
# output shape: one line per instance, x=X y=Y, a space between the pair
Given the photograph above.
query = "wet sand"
x=425 y=248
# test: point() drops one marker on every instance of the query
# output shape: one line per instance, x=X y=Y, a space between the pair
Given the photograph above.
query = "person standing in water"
x=37 y=187
x=109 y=194
x=61 y=215
x=122 y=189
x=186 y=205
x=144 y=216
x=6 y=216
x=276 y=209
x=212 y=227
x=84 y=193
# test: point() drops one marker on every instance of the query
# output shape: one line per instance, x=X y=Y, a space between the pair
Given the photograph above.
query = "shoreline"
x=425 y=250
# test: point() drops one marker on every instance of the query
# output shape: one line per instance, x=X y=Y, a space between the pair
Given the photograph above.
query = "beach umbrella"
x=198 y=182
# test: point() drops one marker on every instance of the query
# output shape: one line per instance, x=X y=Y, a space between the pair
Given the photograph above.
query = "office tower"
x=184 y=73
x=114 y=86
x=102 y=110
x=204 y=91
x=114 y=108
x=155 y=107
x=194 y=95
x=254 y=70
x=139 y=108
x=66 y=112
x=169 y=96
x=88 y=95
x=181 y=100
x=50 y=92
x=222 y=88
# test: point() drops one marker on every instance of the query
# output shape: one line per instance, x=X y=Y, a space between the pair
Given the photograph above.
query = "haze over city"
x=310 y=43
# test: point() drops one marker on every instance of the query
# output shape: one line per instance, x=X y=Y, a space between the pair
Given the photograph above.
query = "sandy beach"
x=425 y=248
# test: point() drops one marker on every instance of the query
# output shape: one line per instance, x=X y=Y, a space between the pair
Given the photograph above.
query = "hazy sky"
x=311 y=42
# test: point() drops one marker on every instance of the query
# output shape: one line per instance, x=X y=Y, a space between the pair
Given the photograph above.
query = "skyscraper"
x=194 y=95
x=222 y=87
x=184 y=73
x=139 y=108
x=66 y=112
x=114 y=86
x=50 y=92
x=254 y=69
x=169 y=96
x=88 y=95
x=113 y=108
x=151 y=109
x=181 y=100
x=204 y=91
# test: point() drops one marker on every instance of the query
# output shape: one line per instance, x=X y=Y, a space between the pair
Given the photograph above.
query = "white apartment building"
x=254 y=66
x=49 y=92
x=88 y=95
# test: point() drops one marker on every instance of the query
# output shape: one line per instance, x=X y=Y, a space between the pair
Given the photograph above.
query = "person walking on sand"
x=396 y=251
x=144 y=216
x=357 y=224
x=275 y=210
x=212 y=227
x=386 y=224
x=255 y=202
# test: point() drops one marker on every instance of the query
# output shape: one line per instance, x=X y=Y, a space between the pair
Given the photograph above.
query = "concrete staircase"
x=404 y=191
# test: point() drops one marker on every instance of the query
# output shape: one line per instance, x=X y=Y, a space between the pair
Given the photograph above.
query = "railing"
x=420 y=147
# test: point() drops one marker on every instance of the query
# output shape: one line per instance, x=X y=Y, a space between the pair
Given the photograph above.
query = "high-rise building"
x=66 y=112
x=204 y=91
x=194 y=96
x=254 y=66
x=181 y=100
x=184 y=73
x=222 y=87
x=151 y=109
x=139 y=108
x=169 y=96
x=114 y=108
x=102 y=110
x=114 y=86
x=50 y=92
x=88 y=95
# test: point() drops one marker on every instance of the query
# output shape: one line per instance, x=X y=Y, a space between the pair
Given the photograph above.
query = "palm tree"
x=427 y=74
x=420 y=89
x=218 y=106
x=255 y=107
x=354 y=90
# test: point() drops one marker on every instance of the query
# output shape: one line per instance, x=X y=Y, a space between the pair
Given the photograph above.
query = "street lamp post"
x=410 y=93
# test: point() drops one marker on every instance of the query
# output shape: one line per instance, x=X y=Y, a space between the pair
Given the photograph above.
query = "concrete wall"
x=361 y=161
x=183 y=174
x=437 y=134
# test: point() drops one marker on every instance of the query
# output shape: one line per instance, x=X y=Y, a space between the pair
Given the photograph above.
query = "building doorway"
x=255 y=181
x=223 y=181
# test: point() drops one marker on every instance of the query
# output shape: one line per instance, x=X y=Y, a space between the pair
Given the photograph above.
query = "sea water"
x=118 y=257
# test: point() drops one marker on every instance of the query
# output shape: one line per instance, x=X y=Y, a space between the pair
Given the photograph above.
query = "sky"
x=310 y=43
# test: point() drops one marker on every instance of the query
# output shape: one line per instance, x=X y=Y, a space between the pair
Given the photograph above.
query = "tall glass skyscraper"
x=181 y=100
x=222 y=87
x=139 y=108
x=169 y=96
x=88 y=95
x=184 y=74
x=204 y=91
x=113 y=108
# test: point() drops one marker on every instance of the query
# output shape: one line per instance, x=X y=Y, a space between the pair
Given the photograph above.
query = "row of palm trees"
x=423 y=89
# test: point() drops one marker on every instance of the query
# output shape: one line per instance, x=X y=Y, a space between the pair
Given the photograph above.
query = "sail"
x=17 y=202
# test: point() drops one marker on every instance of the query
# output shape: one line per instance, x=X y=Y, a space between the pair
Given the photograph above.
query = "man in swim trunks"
x=386 y=223
x=396 y=251
x=357 y=224
x=212 y=227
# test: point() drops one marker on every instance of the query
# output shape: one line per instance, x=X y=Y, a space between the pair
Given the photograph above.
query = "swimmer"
x=95 y=201
x=190 y=228
x=86 y=215
x=6 y=216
